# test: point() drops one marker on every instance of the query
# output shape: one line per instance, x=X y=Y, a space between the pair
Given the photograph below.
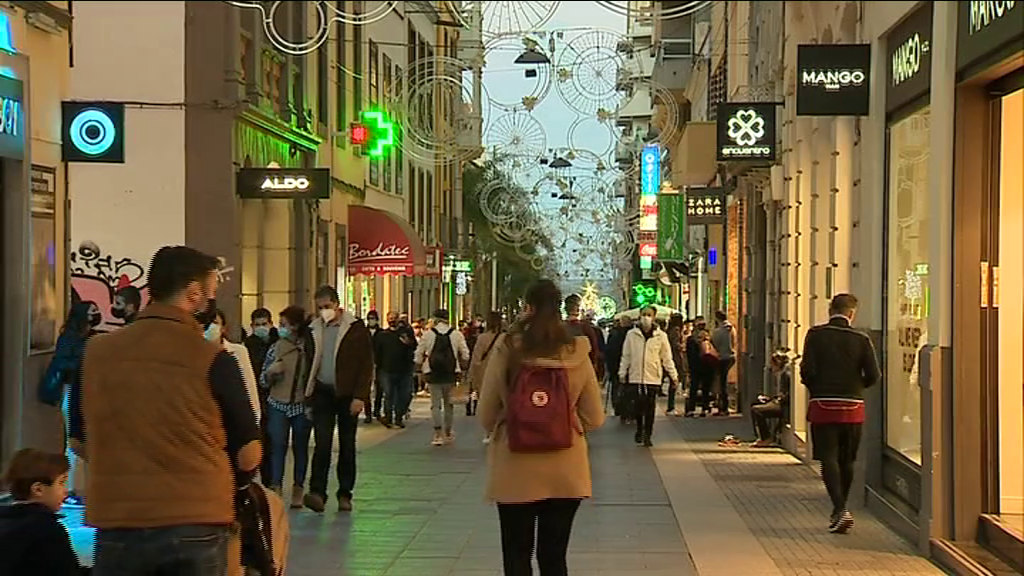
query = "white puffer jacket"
x=645 y=360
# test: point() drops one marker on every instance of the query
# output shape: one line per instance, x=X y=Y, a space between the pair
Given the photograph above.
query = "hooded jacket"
x=33 y=541
x=646 y=358
x=518 y=477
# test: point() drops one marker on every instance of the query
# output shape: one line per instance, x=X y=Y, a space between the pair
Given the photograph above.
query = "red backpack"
x=539 y=414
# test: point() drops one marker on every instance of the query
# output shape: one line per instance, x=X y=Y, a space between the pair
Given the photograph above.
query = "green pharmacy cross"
x=374 y=132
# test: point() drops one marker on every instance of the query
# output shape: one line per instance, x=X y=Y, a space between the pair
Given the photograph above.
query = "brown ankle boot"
x=297 y=495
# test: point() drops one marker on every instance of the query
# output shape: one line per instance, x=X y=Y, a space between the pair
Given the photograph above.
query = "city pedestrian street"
x=687 y=507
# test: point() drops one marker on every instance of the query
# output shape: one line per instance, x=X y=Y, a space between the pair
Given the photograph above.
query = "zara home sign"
x=833 y=79
x=746 y=131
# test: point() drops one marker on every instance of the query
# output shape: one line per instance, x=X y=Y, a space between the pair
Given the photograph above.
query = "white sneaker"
x=449 y=438
x=438 y=440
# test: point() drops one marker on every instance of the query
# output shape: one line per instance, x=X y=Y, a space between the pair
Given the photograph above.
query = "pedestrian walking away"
x=394 y=351
x=838 y=363
x=539 y=398
x=337 y=391
x=442 y=353
x=646 y=358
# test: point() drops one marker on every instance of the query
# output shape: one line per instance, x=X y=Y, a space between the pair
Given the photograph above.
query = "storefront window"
x=907 y=289
x=45 y=302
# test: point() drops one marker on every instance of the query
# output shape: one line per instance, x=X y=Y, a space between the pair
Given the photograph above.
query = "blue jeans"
x=397 y=395
x=172 y=551
x=278 y=427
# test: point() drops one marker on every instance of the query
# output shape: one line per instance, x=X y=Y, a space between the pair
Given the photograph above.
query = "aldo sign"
x=286 y=183
x=92 y=132
x=832 y=79
x=746 y=131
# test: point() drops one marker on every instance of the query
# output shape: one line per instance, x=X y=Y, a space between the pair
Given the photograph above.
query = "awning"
x=380 y=242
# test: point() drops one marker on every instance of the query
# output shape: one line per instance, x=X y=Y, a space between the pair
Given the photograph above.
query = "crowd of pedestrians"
x=174 y=480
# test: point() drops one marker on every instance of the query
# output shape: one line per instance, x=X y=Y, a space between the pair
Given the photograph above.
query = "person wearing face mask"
x=646 y=358
x=261 y=338
x=337 y=390
x=373 y=409
x=127 y=303
x=60 y=385
x=193 y=437
x=217 y=332
x=393 y=352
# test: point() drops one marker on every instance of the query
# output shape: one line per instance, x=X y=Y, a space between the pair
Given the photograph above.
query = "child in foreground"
x=32 y=539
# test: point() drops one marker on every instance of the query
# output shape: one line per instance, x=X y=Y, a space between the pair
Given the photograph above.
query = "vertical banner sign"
x=908 y=70
x=651 y=170
x=672 y=227
x=705 y=205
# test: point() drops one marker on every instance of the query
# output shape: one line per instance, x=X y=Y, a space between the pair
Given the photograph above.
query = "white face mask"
x=327 y=314
x=213 y=333
x=646 y=322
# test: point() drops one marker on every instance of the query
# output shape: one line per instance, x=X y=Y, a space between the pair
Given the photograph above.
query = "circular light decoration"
x=588 y=73
x=606 y=307
x=499 y=54
x=678 y=11
x=504 y=18
x=92 y=132
x=517 y=135
x=326 y=14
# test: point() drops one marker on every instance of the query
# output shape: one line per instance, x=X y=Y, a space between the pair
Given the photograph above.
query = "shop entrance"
x=1004 y=337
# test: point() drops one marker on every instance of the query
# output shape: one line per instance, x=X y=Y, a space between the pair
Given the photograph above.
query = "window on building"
x=907 y=281
x=45 y=301
x=374 y=67
x=300 y=118
x=272 y=79
x=322 y=84
x=340 y=74
x=245 y=59
x=399 y=157
x=324 y=274
x=430 y=207
x=421 y=191
x=413 y=204
x=301 y=121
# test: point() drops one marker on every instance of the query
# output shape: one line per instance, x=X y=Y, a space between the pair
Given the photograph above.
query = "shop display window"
x=907 y=281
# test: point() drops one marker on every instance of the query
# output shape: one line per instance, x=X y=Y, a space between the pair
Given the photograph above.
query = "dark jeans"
x=645 y=403
x=672 y=388
x=397 y=395
x=280 y=427
x=172 y=551
x=546 y=525
x=330 y=411
x=835 y=446
x=700 y=382
x=373 y=408
x=724 y=366
x=767 y=419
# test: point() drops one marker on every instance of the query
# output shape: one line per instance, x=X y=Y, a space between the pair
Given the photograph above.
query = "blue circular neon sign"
x=92 y=132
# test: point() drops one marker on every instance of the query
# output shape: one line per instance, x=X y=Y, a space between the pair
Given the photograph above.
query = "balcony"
x=674 y=51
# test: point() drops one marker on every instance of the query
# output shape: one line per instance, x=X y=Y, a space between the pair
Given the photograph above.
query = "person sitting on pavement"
x=338 y=389
x=284 y=376
x=193 y=436
x=646 y=358
x=769 y=412
x=538 y=492
x=32 y=539
x=441 y=354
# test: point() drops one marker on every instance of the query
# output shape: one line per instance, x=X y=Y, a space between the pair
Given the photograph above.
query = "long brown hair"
x=542 y=334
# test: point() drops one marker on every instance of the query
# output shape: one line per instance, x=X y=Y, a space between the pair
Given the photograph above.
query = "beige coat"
x=478 y=363
x=529 y=477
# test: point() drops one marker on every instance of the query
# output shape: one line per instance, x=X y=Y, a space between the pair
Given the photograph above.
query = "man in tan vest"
x=167 y=426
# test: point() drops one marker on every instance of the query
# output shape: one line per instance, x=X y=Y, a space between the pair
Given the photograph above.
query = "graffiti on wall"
x=112 y=283
x=115 y=283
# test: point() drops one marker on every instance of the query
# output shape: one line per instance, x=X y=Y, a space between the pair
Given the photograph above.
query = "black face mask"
x=207 y=316
x=95 y=320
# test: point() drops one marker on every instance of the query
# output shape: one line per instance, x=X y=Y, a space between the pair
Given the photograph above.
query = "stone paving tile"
x=420 y=510
x=784 y=504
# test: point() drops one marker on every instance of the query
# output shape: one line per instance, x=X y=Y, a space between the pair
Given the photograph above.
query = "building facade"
x=34 y=66
x=911 y=202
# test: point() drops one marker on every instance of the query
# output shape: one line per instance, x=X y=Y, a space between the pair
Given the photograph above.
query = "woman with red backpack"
x=539 y=397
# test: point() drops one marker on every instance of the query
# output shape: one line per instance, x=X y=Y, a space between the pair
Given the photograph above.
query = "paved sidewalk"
x=785 y=507
x=419 y=510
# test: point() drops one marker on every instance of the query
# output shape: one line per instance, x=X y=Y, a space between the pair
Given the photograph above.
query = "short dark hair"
x=721 y=316
x=648 y=307
x=328 y=292
x=131 y=295
x=573 y=303
x=260 y=313
x=441 y=314
x=373 y=314
x=843 y=304
x=29 y=466
x=173 y=268
x=295 y=315
x=223 y=319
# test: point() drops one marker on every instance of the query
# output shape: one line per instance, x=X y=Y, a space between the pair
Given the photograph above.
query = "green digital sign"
x=374 y=133
x=644 y=293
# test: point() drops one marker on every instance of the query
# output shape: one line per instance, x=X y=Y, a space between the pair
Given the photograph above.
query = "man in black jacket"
x=394 y=349
x=612 y=358
x=838 y=363
x=263 y=335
